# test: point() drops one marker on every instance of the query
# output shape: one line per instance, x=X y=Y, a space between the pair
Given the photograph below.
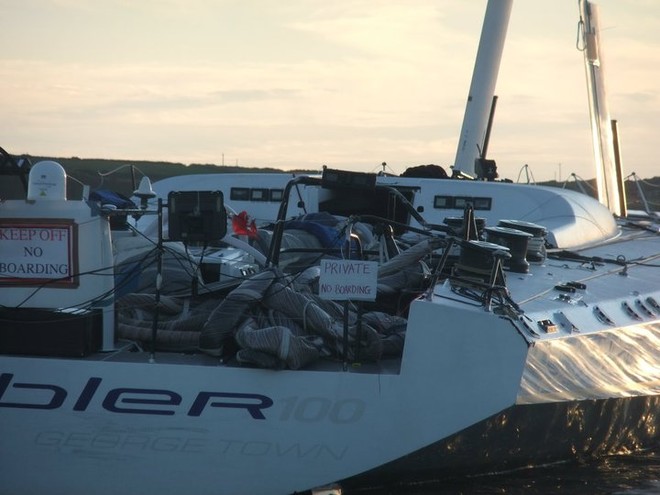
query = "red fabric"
x=243 y=225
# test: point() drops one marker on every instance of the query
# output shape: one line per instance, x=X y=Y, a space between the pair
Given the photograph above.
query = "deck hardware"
x=621 y=259
x=548 y=326
x=631 y=312
x=565 y=322
x=640 y=305
x=531 y=330
x=536 y=251
x=587 y=265
x=653 y=303
x=602 y=317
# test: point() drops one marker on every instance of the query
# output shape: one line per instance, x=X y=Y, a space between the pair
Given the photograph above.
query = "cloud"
x=353 y=82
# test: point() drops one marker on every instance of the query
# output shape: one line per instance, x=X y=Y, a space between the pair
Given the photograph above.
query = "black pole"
x=491 y=117
x=159 y=279
x=345 y=346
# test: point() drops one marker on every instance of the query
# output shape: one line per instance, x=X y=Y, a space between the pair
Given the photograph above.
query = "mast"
x=609 y=192
x=482 y=87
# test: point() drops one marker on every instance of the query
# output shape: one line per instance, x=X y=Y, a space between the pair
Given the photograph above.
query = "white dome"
x=47 y=181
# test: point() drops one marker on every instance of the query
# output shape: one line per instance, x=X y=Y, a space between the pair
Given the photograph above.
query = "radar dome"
x=47 y=181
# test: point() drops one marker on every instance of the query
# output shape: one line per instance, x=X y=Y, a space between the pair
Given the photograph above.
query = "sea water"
x=631 y=474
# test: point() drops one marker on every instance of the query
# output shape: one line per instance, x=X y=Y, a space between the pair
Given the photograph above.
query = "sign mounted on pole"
x=348 y=280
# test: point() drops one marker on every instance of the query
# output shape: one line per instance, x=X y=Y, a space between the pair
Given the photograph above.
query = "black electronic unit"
x=485 y=169
x=196 y=216
x=42 y=332
x=332 y=178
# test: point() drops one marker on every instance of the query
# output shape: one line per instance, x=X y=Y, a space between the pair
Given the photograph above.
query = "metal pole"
x=159 y=281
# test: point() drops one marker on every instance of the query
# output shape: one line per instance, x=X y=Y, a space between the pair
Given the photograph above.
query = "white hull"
x=540 y=362
x=322 y=426
x=111 y=426
x=116 y=421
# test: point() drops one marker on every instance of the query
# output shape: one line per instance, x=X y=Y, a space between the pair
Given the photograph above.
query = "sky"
x=304 y=83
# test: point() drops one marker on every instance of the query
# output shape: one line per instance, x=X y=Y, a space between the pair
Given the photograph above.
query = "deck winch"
x=536 y=245
x=516 y=241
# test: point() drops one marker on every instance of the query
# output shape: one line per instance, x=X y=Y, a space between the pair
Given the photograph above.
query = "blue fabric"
x=105 y=196
x=327 y=236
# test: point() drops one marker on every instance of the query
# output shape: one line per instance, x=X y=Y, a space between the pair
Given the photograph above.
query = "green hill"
x=123 y=176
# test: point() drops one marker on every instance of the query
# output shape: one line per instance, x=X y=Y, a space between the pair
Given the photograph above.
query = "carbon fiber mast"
x=482 y=87
x=608 y=168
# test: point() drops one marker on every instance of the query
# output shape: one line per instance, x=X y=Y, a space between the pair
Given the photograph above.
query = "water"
x=636 y=474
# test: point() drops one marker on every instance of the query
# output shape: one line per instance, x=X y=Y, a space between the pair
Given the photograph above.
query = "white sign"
x=353 y=280
x=36 y=252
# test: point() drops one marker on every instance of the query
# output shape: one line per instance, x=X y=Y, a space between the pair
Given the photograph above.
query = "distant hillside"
x=121 y=175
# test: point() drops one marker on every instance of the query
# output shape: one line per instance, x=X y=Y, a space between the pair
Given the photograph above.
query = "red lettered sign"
x=38 y=251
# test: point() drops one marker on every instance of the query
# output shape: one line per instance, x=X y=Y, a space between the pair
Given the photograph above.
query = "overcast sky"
x=302 y=83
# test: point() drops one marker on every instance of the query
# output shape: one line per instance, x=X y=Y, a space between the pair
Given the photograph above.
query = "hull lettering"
x=159 y=402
